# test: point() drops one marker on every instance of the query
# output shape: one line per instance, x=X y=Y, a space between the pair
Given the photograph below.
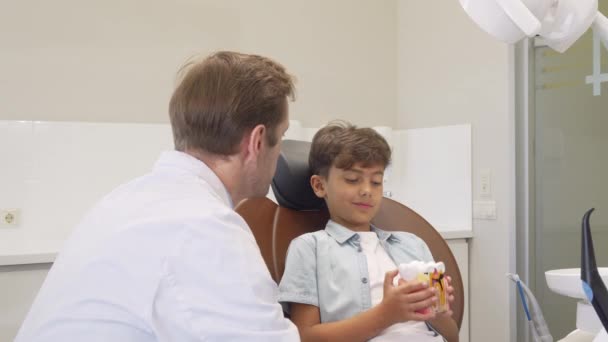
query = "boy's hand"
x=408 y=301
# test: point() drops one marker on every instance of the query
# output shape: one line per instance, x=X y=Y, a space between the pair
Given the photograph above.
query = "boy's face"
x=352 y=195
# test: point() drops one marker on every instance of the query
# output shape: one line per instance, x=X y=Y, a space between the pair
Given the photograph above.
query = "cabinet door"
x=460 y=249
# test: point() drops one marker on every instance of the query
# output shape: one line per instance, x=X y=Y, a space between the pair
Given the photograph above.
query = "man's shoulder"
x=185 y=196
x=164 y=214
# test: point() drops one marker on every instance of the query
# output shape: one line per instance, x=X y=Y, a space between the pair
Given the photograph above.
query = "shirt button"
x=360 y=249
x=364 y=280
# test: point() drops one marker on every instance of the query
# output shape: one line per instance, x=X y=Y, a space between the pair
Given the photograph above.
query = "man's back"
x=163 y=257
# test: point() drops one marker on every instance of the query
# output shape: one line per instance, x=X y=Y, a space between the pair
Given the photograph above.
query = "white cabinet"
x=19 y=285
x=460 y=249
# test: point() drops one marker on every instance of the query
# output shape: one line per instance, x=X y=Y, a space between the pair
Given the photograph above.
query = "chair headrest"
x=291 y=182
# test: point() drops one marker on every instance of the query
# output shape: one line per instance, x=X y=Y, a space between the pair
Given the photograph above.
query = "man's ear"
x=254 y=141
x=318 y=185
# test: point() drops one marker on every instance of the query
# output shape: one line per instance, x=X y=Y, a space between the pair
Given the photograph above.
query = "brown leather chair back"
x=274 y=227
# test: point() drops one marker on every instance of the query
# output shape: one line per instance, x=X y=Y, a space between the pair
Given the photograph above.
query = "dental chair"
x=299 y=211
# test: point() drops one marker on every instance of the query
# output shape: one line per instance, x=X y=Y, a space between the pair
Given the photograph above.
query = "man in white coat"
x=165 y=257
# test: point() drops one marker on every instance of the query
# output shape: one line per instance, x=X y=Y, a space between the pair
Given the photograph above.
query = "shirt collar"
x=384 y=235
x=190 y=165
x=337 y=231
x=342 y=234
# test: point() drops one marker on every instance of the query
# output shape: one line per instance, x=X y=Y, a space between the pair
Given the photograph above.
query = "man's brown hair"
x=226 y=95
x=343 y=145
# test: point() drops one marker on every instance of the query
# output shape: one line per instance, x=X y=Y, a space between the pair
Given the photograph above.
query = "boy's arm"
x=399 y=304
x=446 y=327
x=361 y=327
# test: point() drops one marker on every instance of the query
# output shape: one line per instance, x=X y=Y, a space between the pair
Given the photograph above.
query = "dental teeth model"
x=431 y=273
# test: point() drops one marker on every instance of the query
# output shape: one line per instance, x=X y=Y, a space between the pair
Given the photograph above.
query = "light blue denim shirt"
x=328 y=269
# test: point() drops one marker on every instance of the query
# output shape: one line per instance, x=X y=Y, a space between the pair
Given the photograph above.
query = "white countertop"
x=28 y=252
x=455 y=234
x=27 y=258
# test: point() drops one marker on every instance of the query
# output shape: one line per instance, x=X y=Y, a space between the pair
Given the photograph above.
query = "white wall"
x=116 y=60
x=59 y=170
x=450 y=72
x=405 y=64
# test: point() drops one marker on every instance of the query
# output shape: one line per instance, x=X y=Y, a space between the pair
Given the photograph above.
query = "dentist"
x=165 y=257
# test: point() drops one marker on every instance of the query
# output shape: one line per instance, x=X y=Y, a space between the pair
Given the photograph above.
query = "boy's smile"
x=364 y=206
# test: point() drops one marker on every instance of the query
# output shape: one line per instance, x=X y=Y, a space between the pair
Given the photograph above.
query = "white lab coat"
x=162 y=258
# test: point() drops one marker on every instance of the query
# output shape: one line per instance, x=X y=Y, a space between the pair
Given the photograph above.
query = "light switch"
x=485 y=183
x=484 y=210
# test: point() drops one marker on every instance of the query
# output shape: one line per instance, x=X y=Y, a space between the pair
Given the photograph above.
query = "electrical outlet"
x=9 y=218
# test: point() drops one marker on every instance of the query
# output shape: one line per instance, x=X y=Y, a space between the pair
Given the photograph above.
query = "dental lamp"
x=559 y=23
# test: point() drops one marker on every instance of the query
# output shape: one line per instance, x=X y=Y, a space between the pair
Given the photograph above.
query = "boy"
x=338 y=282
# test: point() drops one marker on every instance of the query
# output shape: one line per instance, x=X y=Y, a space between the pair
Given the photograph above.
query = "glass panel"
x=571 y=166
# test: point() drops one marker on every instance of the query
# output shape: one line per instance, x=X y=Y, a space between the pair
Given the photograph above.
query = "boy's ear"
x=318 y=185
